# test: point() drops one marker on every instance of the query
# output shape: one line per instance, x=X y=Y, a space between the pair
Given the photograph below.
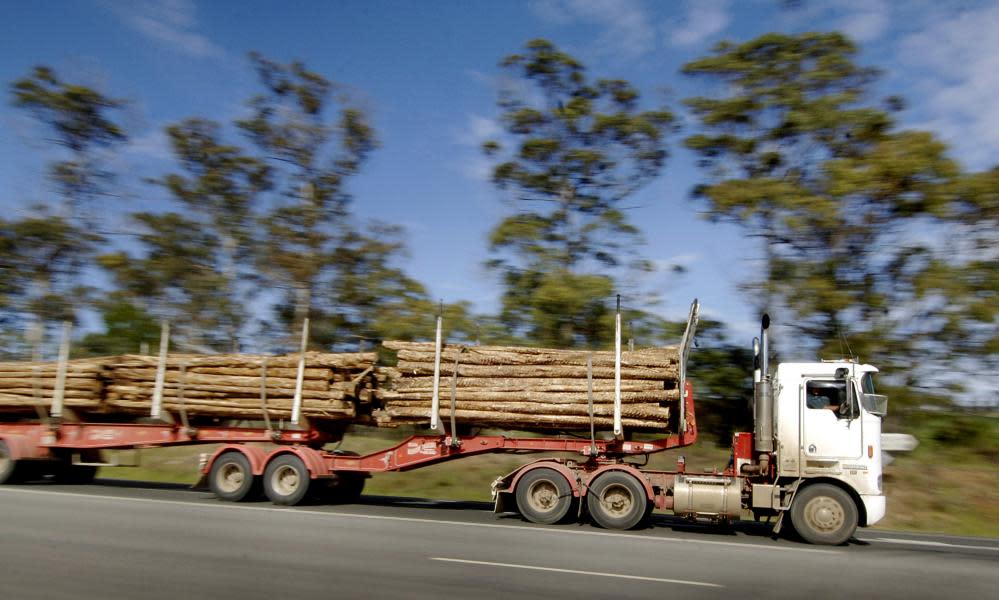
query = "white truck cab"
x=828 y=427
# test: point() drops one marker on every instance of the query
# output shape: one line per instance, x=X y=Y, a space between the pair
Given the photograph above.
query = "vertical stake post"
x=156 y=410
x=454 y=402
x=589 y=403
x=263 y=396
x=35 y=335
x=435 y=399
x=59 y=394
x=181 y=384
x=618 y=429
x=296 y=407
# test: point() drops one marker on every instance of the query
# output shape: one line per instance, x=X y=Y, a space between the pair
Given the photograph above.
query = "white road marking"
x=575 y=572
x=229 y=506
x=931 y=543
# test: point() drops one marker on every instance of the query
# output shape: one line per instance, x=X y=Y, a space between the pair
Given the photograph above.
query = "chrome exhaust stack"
x=763 y=400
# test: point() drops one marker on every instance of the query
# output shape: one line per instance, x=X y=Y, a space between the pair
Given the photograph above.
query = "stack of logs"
x=533 y=388
x=225 y=385
x=231 y=385
x=24 y=385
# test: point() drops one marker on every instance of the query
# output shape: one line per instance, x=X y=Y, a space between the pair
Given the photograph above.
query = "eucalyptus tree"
x=573 y=149
x=219 y=187
x=850 y=208
x=315 y=140
x=47 y=248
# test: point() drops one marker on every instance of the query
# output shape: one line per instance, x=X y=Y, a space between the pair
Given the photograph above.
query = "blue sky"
x=427 y=73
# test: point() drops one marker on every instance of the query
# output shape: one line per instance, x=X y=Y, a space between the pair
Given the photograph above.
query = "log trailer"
x=814 y=456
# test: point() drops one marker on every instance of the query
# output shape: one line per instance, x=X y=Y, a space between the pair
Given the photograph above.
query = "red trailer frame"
x=287 y=472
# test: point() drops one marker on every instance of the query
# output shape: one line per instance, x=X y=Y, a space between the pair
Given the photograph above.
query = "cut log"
x=539 y=397
x=352 y=360
x=532 y=384
x=526 y=422
x=534 y=371
x=637 y=411
x=198 y=380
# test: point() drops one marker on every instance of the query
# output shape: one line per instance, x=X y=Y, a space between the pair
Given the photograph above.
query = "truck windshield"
x=867 y=383
x=874 y=403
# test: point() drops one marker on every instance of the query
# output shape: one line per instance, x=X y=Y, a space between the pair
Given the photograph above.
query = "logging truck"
x=813 y=457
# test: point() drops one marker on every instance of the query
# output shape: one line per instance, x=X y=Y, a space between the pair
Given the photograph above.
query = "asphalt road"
x=110 y=541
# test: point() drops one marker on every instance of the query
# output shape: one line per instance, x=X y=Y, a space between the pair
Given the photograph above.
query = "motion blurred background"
x=236 y=168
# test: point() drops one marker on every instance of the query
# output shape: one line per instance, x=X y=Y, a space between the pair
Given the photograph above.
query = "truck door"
x=831 y=427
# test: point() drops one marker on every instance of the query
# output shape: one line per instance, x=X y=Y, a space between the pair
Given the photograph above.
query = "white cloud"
x=954 y=62
x=702 y=19
x=152 y=145
x=172 y=23
x=627 y=26
x=862 y=20
x=478 y=130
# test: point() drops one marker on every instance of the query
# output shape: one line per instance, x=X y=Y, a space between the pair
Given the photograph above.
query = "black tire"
x=545 y=496
x=345 y=487
x=824 y=514
x=75 y=474
x=287 y=480
x=10 y=470
x=616 y=500
x=231 y=477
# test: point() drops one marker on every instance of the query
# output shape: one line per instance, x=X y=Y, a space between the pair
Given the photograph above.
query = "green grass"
x=951 y=481
x=947 y=485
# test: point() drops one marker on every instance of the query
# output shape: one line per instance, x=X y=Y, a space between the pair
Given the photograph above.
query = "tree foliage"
x=45 y=251
x=314 y=140
x=175 y=277
x=79 y=117
x=219 y=188
x=794 y=151
x=578 y=148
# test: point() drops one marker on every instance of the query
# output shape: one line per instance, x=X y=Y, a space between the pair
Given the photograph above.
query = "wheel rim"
x=231 y=477
x=617 y=500
x=824 y=514
x=543 y=496
x=285 y=480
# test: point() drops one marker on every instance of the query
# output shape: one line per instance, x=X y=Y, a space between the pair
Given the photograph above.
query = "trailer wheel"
x=617 y=500
x=231 y=477
x=544 y=496
x=344 y=488
x=75 y=474
x=8 y=466
x=286 y=480
x=824 y=514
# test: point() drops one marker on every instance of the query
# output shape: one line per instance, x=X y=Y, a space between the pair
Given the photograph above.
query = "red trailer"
x=297 y=467
x=546 y=491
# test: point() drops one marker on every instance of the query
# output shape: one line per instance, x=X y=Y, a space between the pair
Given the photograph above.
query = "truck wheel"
x=75 y=474
x=345 y=487
x=545 y=496
x=8 y=466
x=824 y=514
x=617 y=500
x=231 y=477
x=286 y=480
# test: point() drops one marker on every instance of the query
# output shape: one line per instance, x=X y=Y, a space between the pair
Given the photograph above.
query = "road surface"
x=110 y=541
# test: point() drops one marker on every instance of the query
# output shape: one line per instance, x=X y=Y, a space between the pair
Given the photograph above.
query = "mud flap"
x=785 y=509
x=780 y=523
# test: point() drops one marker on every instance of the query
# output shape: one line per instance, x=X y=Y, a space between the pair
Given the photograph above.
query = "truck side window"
x=831 y=394
x=827 y=395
